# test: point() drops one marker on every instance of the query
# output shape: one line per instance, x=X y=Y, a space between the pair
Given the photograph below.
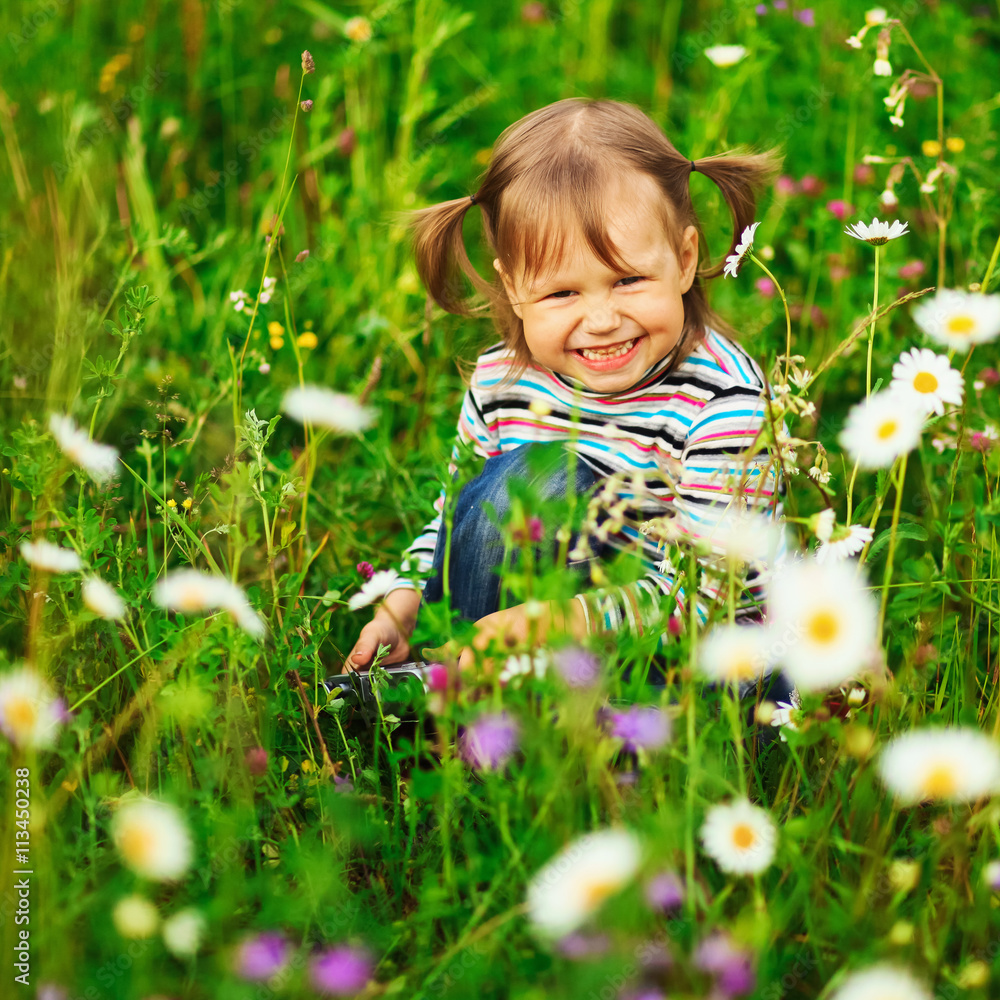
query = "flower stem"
x=784 y=302
x=871 y=329
x=900 y=478
x=984 y=286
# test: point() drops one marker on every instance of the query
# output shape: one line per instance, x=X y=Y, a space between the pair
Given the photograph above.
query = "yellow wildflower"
x=930 y=147
x=172 y=503
x=308 y=340
x=188 y=503
x=277 y=343
x=955 y=144
x=275 y=329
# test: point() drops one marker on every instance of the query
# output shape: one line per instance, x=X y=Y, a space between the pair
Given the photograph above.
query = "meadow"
x=200 y=221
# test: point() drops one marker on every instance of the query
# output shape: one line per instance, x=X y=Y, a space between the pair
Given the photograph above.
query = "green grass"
x=137 y=193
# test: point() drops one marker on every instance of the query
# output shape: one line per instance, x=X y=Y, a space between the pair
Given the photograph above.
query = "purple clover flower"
x=731 y=966
x=577 y=667
x=665 y=892
x=260 y=956
x=642 y=727
x=577 y=945
x=490 y=740
x=806 y=16
x=366 y=569
x=342 y=971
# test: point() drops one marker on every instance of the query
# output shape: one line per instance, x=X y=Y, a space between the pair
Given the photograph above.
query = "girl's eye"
x=566 y=292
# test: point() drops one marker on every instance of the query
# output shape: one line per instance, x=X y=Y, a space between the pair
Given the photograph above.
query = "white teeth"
x=605 y=355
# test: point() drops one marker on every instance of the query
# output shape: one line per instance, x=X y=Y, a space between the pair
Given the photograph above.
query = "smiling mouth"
x=614 y=351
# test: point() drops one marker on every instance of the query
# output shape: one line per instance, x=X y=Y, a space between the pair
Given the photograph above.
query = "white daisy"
x=735 y=259
x=152 y=839
x=844 y=542
x=99 y=460
x=30 y=714
x=881 y=428
x=135 y=917
x=825 y=521
x=824 y=622
x=878 y=232
x=574 y=884
x=951 y=764
x=381 y=583
x=44 y=555
x=315 y=405
x=102 y=598
x=881 y=982
x=190 y=590
x=959 y=319
x=725 y=55
x=785 y=714
x=525 y=664
x=734 y=653
x=742 y=536
x=183 y=932
x=928 y=378
x=740 y=837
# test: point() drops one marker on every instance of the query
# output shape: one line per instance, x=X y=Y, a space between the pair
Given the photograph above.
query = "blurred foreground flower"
x=823 y=622
x=490 y=741
x=881 y=428
x=53 y=558
x=959 y=319
x=951 y=765
x=190 y=590
x=744 y=247
x=881 y=982
x=740 y=837
x=665 y=892
x=577 y=881
x=377 y=585
x=99 y=460
x=183 y=932
x=733 y=653
x=579 y=668
x=261 y=956
x=341 y=971
x=313 y=404
x=152 y=839
x=878 y=232
x=928 y=378
x=30 y=714
x=724 y=56
x=135 y=917
x=730 y=965
x=103 y=599
x=641 y=727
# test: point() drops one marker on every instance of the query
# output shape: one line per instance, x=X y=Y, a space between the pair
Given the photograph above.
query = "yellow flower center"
x=743 y=836
x=823 y=627
x=21 y=715
x=596 y=892
x=961 y=324
x=940 y=782
x=886 y=430
x=191 y=600
x=137 y=844
x=742 y=668
x=925 y=382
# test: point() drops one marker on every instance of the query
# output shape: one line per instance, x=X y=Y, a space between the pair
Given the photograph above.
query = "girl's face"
x=605 y=328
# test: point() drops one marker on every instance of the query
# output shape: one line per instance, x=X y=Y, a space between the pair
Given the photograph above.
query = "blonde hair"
x=560 y=163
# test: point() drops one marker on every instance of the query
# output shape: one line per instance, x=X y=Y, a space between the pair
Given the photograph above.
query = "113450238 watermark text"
x=22 y=884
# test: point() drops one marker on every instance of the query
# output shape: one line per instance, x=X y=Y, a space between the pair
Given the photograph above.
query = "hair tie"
x=472 y=198
x=693 y=166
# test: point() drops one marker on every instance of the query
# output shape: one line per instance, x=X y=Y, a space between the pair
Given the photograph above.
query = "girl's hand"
x=381 y=630
x=514 y=627
x=392 y=626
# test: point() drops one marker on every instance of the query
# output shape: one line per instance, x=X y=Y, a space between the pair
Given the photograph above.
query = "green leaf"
x=905 y=530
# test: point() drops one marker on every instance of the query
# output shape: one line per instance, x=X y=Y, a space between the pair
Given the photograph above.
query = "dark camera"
x=395 y=686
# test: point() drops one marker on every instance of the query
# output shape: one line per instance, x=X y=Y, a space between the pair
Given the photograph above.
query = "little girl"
x=608 y=346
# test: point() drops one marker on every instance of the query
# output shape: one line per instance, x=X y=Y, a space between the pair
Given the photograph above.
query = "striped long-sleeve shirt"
x=690 y=433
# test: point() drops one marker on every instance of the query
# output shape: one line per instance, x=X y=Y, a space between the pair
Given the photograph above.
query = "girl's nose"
x=601 y=318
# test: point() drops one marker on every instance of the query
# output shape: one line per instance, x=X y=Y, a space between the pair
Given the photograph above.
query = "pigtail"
x=739 y=176
x=441 y=258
